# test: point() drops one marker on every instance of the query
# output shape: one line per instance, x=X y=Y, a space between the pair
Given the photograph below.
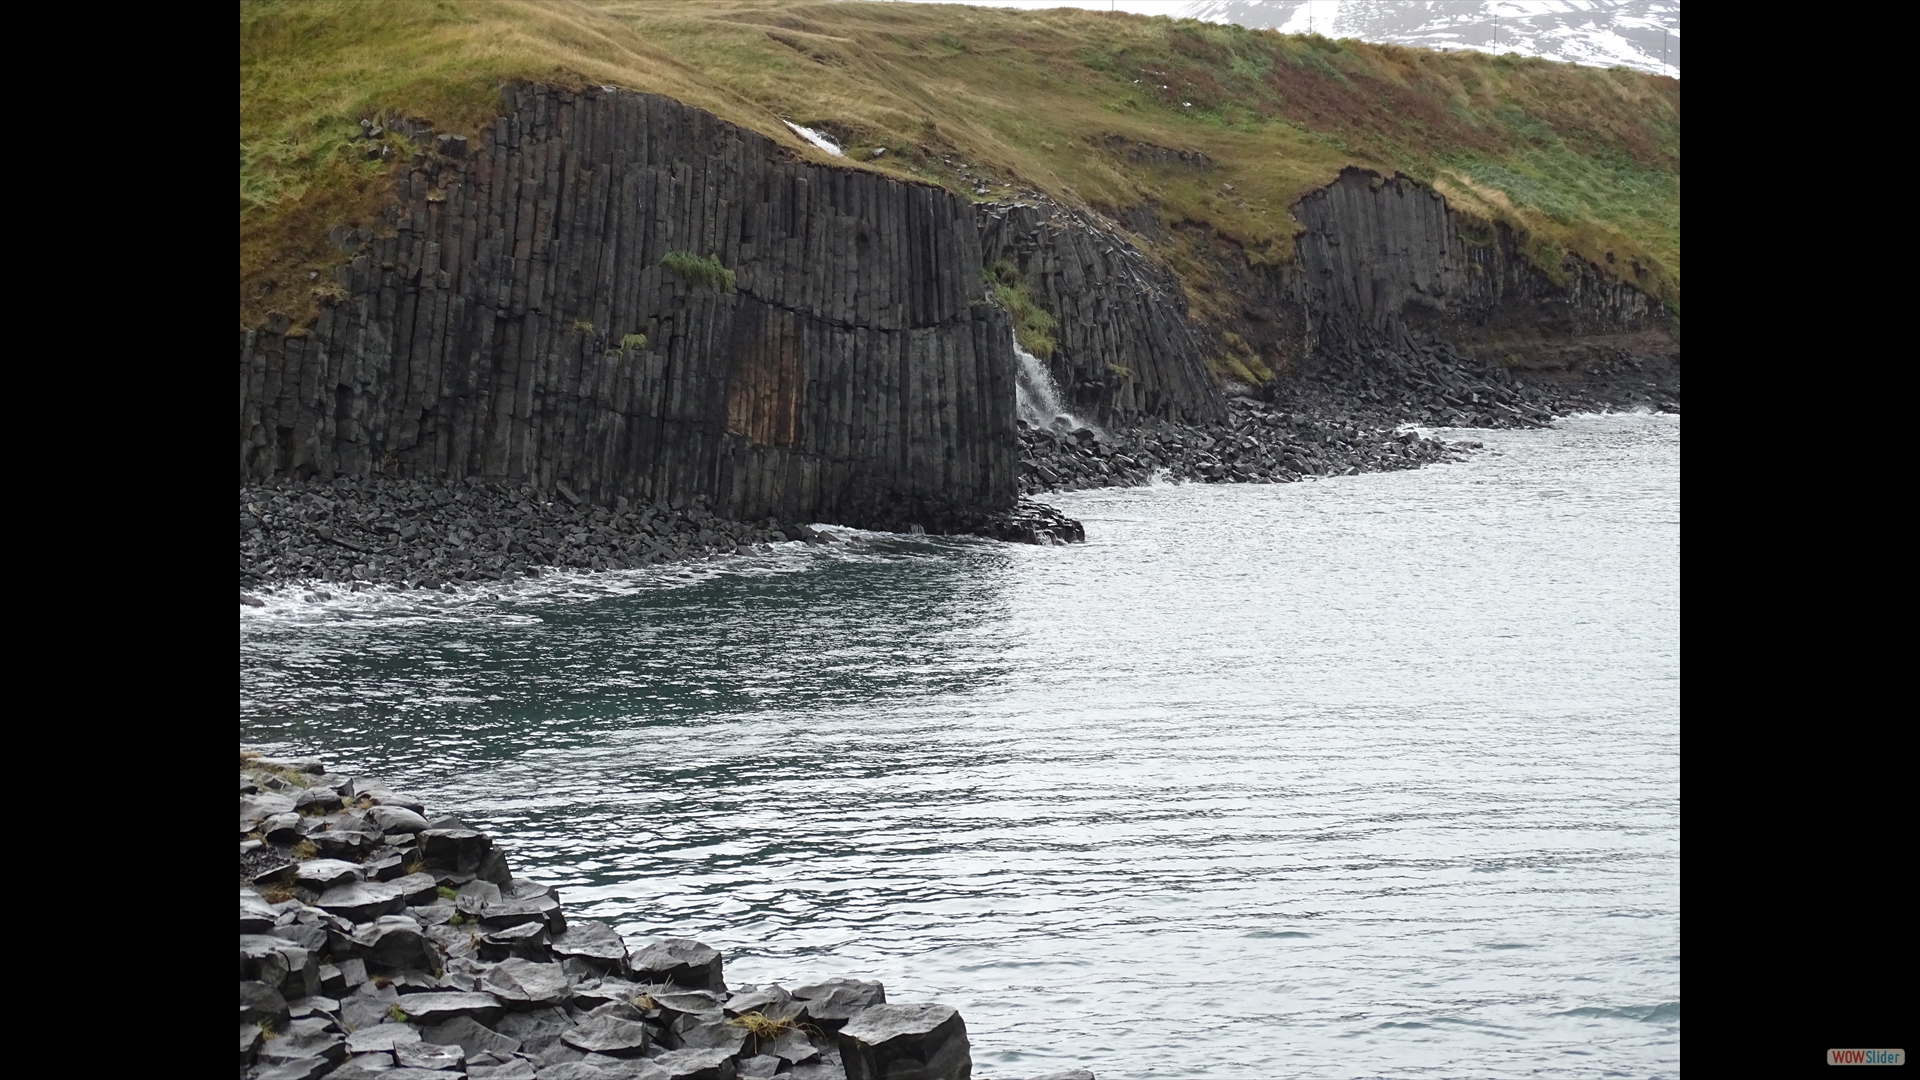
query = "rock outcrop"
x=628 y=296
x=420 y=956
x=1125 y=348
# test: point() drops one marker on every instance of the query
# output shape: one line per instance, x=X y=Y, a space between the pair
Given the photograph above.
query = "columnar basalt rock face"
x=1385 y=258
x=1126 y=350
x=854 y=372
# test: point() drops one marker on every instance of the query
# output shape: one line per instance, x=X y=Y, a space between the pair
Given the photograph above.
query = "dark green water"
x=1375 y=775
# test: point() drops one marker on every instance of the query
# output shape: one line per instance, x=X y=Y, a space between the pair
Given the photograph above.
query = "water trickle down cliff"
x=516 y=324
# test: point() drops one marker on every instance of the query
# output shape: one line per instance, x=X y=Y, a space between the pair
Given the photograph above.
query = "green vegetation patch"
x=1032 y=326
x=689 y=267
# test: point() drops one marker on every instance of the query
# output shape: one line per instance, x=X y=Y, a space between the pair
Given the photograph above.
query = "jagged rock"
x=526 y=941
x=321 y=875
x=524 y=984
x=833 y=1002
x=609 y=1035
x=680 y=961
x=756 y=998
x=793 y=1046
x=537 y=1031
x=760 y=1067
x=906 y=1042
x=261 y=1002
x=304 y=1039
x=256 y=915
x=280 y=964
x=594 y=942
x=393 y=943
x=439 y=1007
x=464 y=1032
x=425 y=1055
x=381 y=1038
x=694 y=1064
x=459 y=850
x=309 y=1068
x=516 y=1069
x=417 y=888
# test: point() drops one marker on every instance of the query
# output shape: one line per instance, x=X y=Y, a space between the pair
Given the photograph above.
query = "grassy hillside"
x=1080 y=105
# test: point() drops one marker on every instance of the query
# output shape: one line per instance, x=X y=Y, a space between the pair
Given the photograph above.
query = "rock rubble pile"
x=377 y=940
x=362 y=531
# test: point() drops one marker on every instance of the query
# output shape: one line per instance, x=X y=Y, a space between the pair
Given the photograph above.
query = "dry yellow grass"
x=1067 y=102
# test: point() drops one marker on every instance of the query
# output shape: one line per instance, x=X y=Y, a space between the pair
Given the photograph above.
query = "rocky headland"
x=378 y=939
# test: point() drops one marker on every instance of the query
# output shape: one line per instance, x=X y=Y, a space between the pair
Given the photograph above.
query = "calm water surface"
x=1375 y=775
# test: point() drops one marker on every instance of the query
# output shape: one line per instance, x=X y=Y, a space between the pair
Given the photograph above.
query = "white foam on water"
x=815 y=138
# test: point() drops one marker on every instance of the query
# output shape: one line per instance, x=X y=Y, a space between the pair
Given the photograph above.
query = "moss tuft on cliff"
x=1166 y=126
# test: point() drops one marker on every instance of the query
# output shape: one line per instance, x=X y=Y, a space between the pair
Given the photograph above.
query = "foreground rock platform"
x=378 y=939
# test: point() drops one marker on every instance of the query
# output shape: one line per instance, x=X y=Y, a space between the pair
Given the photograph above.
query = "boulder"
x=393 y=943
x=516 y=1069
x=417 y=888
x=528 y=941
x=441 y=1006
x=680 y=961
x=280 y=964
x=457 y=850
x=906 y=1042
x=363 y=901
x=381 y=1038
x=608 y=1034
x=833 y=1002
x=262 y=1003
x=757 y=998
x=321 y=875
x=594 y=942
x=468 y=1035
x=256 y=915
x=694 y=1064
x=525 y=984
x=302 y=1040
x=425 y=1055
x=250 y=1039
x=396 y=819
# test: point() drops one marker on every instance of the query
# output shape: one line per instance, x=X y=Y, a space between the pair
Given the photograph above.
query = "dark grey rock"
x=417 y=888
x=280 y=964
x=321 y=875
x=425 y=1055
x=393 y=943
x=694 y=1064
x=458 y=850
x=760 y=1067
x=537 y=1031
x=791 y=1046
x=757 y=998
x=527 y=941
x=363 y=901
x=381 y=1038
x=680 y=961
x=609 y=1035
x=441 y=1006
x=309 y=1068
x=260 y=1002
x=303 y=1039
x=593 y=942
x=516 y=1069
x=390 y=818
x=906 y=1042
x=469 y=1035
x=527 y=985
x=817 y=1070
x=250 y=1039
x=256 y=915
x=367 y=1067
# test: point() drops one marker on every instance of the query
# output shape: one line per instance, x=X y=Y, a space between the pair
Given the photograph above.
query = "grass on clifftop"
x=1210 y=126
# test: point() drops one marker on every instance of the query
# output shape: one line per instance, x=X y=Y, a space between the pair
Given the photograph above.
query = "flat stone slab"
x=609 y=1035
x=425 y=1055
x=681 y=961
x=321 y=875
x=906 y=1042
x=438 y=1007
x=526 y=983
x=363 y=901
x=381 y=1037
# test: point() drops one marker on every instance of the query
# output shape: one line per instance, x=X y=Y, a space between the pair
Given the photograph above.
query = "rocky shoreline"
x=378 y=940
x=1340 y=418
x=359 y=532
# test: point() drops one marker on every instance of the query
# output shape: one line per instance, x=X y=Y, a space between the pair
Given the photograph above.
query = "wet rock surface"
x=1343 y=417
x=337 y=982
x=355 y=533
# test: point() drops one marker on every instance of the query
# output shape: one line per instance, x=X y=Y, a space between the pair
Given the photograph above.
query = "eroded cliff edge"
x=518 y=325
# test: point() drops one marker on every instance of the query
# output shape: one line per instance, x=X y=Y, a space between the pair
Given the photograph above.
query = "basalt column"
x=538 y=311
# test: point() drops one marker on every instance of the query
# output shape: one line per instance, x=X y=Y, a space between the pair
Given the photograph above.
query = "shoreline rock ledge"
x=378 y=940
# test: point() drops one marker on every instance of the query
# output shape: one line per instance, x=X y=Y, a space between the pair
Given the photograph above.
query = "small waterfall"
x=815 y=138
x=1038 y=398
